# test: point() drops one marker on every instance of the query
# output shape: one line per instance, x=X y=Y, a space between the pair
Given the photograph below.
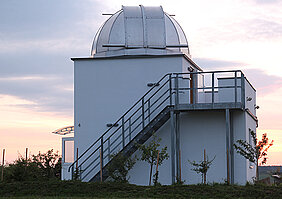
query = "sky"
x=38 y=38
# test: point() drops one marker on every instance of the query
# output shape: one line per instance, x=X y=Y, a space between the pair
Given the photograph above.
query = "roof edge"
x=140 y=56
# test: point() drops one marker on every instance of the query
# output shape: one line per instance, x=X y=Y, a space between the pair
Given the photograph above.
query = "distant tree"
x=21 y=170
x=119 y=167
x=150 y=155
x=202 y=167
x=39 y=167
x=49 y=163
x=254 y=150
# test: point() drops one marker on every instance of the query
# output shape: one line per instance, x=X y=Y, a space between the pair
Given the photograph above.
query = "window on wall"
x=251 y=142
x=69 y=151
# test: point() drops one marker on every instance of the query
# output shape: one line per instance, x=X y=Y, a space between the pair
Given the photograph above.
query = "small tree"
x=202 y=166
x=254 y=151
x=150 y=155
x=120 y=166
x=49 y=163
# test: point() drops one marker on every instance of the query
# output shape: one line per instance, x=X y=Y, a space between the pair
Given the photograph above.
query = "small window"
x=251 y=142
x=69 y=151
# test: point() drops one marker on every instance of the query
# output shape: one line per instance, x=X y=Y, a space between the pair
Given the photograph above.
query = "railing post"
x=72 y=172
x=212 y=88
x=149 y=111
x=195 y=87
x=109 y=149
x=102 y=152
x=243 y=89
x=170 y=90
x=176 y=92
x=122 y=129
x=79 y=173
x=101 y=165
x=143 y=114
x=235 y=88
x=129 y=129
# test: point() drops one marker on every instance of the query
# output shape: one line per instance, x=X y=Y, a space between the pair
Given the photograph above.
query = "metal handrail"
x=116 y=122
x=147 y=101
x=105 y=157
x=137 y=125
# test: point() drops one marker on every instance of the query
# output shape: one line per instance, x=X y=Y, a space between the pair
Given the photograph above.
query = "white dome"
x=139 y=30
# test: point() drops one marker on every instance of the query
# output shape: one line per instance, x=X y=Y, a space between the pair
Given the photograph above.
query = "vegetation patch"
x=76 y=189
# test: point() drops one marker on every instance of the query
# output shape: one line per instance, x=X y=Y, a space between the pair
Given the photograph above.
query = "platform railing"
x=173 y=89
x=234 y=88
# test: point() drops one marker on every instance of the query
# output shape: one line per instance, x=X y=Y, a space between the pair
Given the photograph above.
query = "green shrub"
x=43 y=166
x=119 y=167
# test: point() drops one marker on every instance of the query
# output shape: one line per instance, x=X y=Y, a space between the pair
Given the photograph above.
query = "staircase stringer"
x=140 y=138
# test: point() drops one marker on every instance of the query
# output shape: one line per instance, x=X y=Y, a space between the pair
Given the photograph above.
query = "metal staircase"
x=140 y=138
x=146 y=116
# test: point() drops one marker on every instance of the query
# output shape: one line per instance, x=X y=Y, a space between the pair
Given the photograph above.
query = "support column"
x=232 y=147
x=172 y=156
x=227 y=121
x=177 y=133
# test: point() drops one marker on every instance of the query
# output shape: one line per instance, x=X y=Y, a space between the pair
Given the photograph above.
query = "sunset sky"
x=38 y=38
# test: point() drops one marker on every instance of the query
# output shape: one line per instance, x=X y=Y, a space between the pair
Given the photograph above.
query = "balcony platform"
x=210 y=106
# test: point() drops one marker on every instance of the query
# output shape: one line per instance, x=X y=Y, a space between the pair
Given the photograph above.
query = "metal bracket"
x=112 y=125
x=153 y=84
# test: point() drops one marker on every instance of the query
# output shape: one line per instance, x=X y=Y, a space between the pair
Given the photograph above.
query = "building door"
x=67 y=156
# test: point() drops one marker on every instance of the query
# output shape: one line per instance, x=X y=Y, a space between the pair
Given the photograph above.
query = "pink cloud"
x=263 y=82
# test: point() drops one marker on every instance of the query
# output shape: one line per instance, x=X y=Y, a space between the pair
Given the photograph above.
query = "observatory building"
x=140 y=80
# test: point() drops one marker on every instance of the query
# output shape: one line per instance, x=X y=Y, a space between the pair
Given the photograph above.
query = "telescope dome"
x=140 y=30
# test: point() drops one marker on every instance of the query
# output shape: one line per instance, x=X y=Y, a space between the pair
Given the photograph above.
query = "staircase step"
x=141 y=138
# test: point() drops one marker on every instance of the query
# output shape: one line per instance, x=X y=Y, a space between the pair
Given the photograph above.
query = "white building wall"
x=239 y=133
x=242 y=123
x=228 y=94
x=139 y=174
x=251 y=125
x=251 y=95
x=200 y=130
x=203 y=130
x=105 y=88
x=251 y=167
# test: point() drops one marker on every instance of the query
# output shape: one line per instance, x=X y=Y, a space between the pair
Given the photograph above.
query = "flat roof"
x=140 y=56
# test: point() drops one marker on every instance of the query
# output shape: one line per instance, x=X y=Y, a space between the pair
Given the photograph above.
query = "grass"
x=75 y=190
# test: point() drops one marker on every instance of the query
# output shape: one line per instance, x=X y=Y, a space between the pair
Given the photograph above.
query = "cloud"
x=263 y=82
x=246 y=30
x=49 y=26
x=32 y=19
x=45 y=93
x=214 y=64
x=35 y=63
x=267 y=1
x=244 y=22
x=262 y=29
x=37 y=40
